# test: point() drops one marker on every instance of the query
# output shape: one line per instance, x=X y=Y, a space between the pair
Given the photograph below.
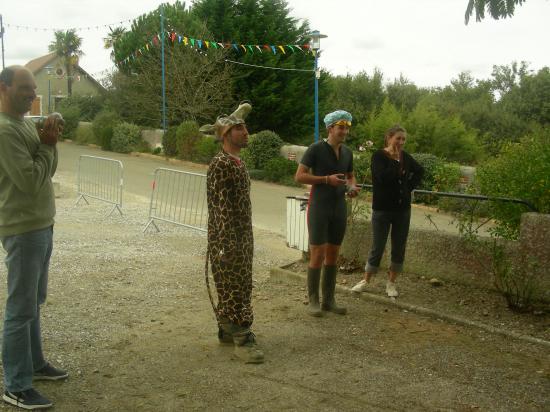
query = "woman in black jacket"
x=395 y=174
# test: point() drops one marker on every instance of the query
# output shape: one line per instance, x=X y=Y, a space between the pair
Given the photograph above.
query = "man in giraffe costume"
x=230 y=239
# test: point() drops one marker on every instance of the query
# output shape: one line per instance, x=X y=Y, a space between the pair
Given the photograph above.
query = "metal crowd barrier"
x=102 y=179
x=180 y=198
x=296 y=223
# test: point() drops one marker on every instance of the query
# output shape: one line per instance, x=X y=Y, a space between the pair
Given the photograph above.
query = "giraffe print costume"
x=230 y=240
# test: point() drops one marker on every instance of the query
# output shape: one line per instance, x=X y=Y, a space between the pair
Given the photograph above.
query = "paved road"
x=268 y=200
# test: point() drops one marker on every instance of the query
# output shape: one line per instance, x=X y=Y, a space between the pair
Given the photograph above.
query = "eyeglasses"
x=343 y=123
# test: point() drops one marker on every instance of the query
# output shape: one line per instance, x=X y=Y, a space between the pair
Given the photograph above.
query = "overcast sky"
x=425 y=40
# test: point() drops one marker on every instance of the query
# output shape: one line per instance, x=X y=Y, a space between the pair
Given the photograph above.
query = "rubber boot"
x=328 y=284
x=246 y=347
x=313 y=277
x=225 y=331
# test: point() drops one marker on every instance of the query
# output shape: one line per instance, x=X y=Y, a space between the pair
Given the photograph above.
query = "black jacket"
x=393 y=181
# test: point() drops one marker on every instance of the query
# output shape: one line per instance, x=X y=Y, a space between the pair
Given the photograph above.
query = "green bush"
x=88 y=106
x=361 y=168
x=431 y=163
x=521 y=171
x=447 y=177
x=169 y=143
x=85 y=134
x=187 y=136
x=71 y=115
x=205 y=149
x=439 y=176
x=280 y=169
x=246 y=157
x=126 y=137
x=262 y=147
x=103 y=125
x=256 y=174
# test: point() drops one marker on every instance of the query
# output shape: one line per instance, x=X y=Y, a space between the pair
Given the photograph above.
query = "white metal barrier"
x=179 y=198
x=296 y=223
x=102 y=179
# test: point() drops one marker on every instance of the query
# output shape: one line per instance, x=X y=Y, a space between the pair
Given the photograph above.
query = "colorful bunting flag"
x=244 y=48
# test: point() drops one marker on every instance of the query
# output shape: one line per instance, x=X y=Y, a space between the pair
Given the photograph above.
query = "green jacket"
x=27 y=200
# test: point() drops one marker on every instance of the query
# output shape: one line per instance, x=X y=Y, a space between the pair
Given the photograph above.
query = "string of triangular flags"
x=199 y=44
x=45 y=29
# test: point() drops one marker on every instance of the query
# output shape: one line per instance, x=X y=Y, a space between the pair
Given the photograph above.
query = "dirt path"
x=129 y=317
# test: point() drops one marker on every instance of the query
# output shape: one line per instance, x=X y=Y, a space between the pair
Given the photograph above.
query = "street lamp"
x=315 y=45
x=49 y=72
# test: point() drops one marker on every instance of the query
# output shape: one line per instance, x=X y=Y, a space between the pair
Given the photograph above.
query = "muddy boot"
x=328 y=284
x=313 y=277
x=225 y=331
x=246 y=347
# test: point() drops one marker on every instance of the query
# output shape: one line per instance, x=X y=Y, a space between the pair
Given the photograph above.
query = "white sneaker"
x=362 y=286
x=391 y=290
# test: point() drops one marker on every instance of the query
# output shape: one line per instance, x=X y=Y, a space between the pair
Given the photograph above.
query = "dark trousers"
x=382 y=222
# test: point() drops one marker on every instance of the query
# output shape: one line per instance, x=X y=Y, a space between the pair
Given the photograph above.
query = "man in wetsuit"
x=328 y=167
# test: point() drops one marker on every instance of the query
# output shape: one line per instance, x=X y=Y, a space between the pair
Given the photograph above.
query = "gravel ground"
x=128 y=315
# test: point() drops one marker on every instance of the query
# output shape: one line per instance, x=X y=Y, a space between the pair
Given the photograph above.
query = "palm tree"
x=67 y=46
x=112 y=37
x=496 y=8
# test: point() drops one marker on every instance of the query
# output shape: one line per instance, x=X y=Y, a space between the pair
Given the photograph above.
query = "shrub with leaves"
x=205 y=149
x=126 y=137
x=169 y=142
x=103 y=125
x=280 y=170
x=71 y=115
x=187 y=136
x=88 y=106
x=521 y=171
x=262 y=147
x=85 y=134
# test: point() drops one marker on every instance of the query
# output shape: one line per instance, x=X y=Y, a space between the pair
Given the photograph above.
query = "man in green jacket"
x=28 y=160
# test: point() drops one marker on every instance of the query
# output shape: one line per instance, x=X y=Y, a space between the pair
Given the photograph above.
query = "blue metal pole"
x=163 y=74
x=316 y=99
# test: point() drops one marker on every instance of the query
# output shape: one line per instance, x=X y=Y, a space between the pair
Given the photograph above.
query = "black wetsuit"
x=327 y=212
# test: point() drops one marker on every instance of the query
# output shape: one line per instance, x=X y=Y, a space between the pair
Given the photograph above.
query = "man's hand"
x=337 y=179
x=52 y=128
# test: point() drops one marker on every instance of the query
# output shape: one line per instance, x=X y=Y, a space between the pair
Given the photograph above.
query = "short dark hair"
x=7 y=75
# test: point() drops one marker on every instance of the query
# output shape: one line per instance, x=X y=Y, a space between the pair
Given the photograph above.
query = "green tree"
x=67 y=46
x=404 y=94
x=277 y=95
x=198 y=85
x=112 y=37
x=497 y=9
x=360 y=94
x=374 y=128
x=521 y=171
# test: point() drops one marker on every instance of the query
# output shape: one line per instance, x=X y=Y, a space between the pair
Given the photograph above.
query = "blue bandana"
x=333 y=117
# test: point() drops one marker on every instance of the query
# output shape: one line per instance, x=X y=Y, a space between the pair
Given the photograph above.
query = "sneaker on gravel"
x=362 y=286
x=29 y=399
x=391 y=290
x=49 y=373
